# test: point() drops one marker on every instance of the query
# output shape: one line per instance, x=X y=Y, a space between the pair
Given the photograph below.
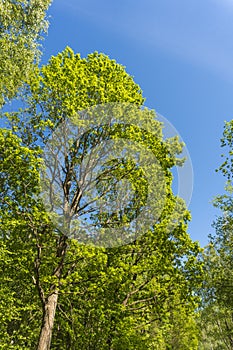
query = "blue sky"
x=181 y=54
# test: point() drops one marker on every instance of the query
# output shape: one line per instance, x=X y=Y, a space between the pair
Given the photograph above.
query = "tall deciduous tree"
x=117 y=297
x=21 y=25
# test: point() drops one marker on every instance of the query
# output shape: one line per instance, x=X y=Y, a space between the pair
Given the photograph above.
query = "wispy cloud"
x=225 y=2
x=199 y=32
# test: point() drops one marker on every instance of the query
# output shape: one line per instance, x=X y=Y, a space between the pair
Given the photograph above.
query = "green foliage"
x=21 y=25
x=216 y=313
x=19 y=182
x=69 y=84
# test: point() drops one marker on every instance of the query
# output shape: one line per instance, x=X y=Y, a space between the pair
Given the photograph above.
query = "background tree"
x=127 y=297
x=21 y=26
x=217 y=314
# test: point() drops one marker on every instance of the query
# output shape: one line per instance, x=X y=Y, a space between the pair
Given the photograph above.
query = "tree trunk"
x=48 y=322
x=50 y=303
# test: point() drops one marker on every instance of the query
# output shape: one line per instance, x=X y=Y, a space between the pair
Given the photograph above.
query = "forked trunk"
x=48 y=322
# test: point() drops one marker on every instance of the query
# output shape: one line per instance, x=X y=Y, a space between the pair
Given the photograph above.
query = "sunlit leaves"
x=21 y=25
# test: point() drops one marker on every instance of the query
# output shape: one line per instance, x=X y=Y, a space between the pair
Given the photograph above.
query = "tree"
x=215 y=315
x=218 y=306
x=120 y=296
x=19 y=183
x=22 y=23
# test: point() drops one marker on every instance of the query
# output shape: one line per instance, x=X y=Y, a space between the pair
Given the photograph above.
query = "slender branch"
x=134 y=292
x=37 y=273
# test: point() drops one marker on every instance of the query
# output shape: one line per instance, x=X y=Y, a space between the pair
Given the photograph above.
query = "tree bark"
x=48 y=322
